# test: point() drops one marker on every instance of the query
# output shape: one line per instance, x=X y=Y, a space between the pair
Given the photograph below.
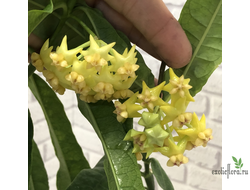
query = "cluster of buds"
x=98 y=73
x=160 y=119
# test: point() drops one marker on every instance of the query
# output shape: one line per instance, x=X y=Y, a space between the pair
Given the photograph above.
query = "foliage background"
x=195 y=175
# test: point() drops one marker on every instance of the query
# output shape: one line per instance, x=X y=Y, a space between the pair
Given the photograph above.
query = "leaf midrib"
x=56 y=143
x=98 y=132
x=202 y=38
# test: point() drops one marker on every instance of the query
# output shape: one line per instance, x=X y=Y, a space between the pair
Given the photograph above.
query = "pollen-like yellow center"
x=128 y=70
x=58 y=60
x=147 y=99
x=203 y=138
x=103 y=91
x=179 y=86
x=96 y=61
x=120 y=111
x=177 y=160
x=182 y=119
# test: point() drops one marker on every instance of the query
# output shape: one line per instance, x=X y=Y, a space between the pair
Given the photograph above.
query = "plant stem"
x=148 y=176
x=170 y=133
x=189 y=125
x=161 y=72
x=84 y=26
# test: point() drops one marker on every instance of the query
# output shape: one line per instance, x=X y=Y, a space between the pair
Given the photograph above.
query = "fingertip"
x=173 y=46
x=181 y=58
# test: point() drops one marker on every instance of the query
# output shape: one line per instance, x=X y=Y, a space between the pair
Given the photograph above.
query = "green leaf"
x=202 y=23
x=241 y=165
x=160 y=175
x=67 y=150
x=38 y=178
x=30 y=138
x=91 y=179
x=35 y=17
x=239 y=161
x=120 y=165
x=235 y=159
x=237 y=167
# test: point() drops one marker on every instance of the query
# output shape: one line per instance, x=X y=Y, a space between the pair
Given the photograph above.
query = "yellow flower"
x=178 y=87
x=126 y=58
x=36 y=61
x=128 y=109
x=78 y=83
x=177 y=160
x=197 y=133
x=97 y=56
x=103 y=91
x=120 y=111
x=123 y=94
x=57 y=61
x=139 y=139
x=173 y=149
x=96 y=61
x=177 y=113
x=53 y=81
x=149 y=97
x=128 y=70
x=88 y=98
x=80 y=67
x=93 y=77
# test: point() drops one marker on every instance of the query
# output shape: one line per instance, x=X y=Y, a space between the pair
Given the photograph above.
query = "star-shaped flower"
x=178 y=87
x=103 y=90
x=128 y=109
x=139 y=139
x=58 y=61
x=97 y=56
x=126 y=58
x=128 y=70
x=149 y=97
x=172 y=148
x=176 y=113
x=197 y=133
x=177 y=160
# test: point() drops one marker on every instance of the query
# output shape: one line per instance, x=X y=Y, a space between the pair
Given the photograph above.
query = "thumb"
x=159 y=27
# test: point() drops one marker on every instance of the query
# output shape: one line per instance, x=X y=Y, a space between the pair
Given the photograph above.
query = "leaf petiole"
x=189 y=125
x=148 y=175
x=85 y=27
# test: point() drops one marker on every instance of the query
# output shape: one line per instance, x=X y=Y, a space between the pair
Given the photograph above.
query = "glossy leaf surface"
x=67 y=150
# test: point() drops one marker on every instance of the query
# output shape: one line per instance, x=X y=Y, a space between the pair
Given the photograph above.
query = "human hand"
x=149 y=25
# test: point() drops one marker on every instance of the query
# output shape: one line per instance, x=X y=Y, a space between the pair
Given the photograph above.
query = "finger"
x=155 y=22
x=119 y=22
x=35 y=42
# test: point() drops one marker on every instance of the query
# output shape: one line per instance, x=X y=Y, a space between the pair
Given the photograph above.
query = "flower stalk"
x=148 y=175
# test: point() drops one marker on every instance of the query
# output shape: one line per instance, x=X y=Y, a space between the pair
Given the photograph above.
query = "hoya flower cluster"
x=161 y=119
x=101 y=73
x=98 y=73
